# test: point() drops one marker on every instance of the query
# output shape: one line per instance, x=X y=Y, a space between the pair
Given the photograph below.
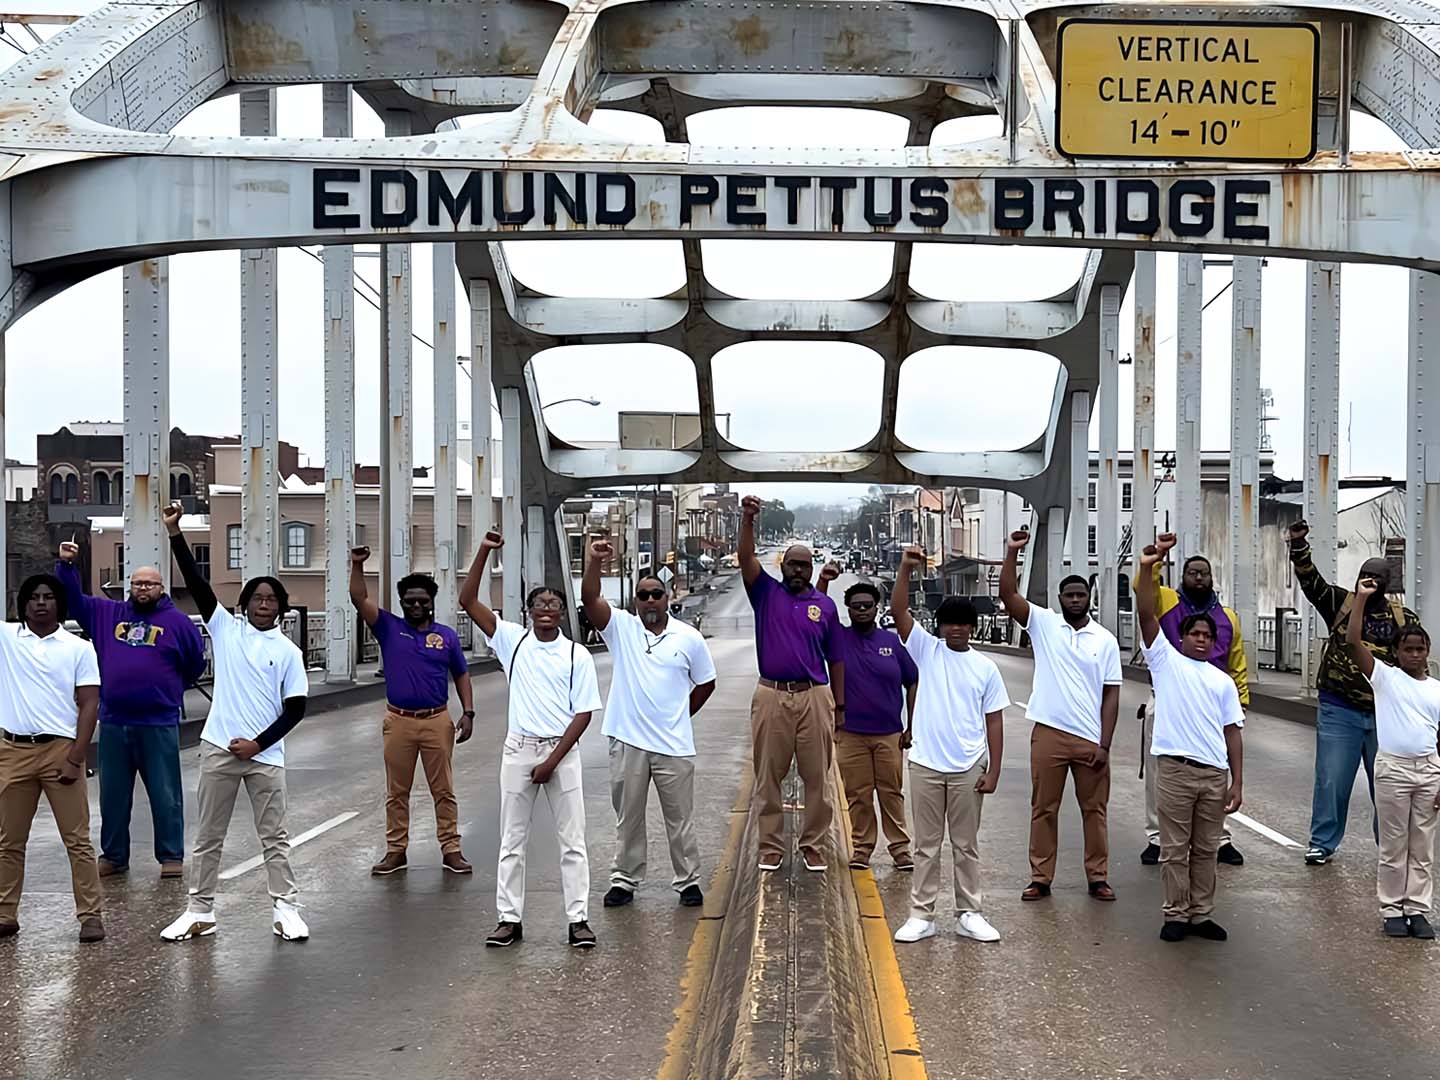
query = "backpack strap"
x=1342 y=617
x=517 y=650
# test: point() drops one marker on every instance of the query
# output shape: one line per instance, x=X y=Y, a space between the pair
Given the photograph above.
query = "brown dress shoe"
x=92 y=929
x=9 y=929
x=108 y=868
x=172 y=870
x=393 y=860
x=456 y=864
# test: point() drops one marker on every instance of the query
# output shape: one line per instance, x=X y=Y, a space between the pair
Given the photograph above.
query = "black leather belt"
x=1191 y=762
x=790 y=686
x=29 y=740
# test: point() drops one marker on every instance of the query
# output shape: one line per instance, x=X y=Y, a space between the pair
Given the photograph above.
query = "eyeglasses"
x=547 y=605
x=649 y=594
x=147 y=584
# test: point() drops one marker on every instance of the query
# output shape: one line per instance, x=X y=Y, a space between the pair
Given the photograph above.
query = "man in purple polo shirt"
x=149 y=652
x=880 y=681
x=792 y=716
x=421 y=657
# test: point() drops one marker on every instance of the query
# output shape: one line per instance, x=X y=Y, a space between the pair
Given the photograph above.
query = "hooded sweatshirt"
x=147 y=659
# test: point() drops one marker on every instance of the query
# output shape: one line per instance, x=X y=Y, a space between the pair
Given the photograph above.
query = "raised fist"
x=601 y=549
x=1151 y=555
x=1297 y=532
x=1164 y=542
x=171 y=515
x=830 y=571
x=492 y=541
x=750 y=507
x=69 y=551
x=915 y=555
x=1017 y=540
x=359 y=555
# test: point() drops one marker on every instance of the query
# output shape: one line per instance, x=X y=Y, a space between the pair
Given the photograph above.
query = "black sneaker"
x=1208 y=929
x=618 y=896
x=1151 y=855
x=581 y=936
x=1420 y=928
x=1397 y=926
x=1229 y=855
x=507 y=933
x=1174 y=931
x=691 y=896
x=1315 y=856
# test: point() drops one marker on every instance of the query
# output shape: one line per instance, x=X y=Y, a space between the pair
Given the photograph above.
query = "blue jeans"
x=154 y=753
x=1344 y=739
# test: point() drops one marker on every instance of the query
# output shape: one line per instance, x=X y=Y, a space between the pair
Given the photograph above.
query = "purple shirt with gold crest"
x=794 y=634
x=877 y=670
x=419 y=664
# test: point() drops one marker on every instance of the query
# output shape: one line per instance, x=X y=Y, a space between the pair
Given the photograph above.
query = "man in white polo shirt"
x=553 y=692
x=661 y=674
x=49 y=702
x=1196 y=744
x=1074 y=703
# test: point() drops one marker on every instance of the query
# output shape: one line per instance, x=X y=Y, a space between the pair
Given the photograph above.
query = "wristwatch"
x=470 y=713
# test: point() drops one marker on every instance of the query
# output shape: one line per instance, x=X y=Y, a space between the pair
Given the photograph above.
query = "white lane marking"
x=1022 y=704
x=1264 y=830
x=257 y=861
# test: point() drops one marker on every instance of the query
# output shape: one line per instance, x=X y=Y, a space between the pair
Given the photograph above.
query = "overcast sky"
x=64 y=358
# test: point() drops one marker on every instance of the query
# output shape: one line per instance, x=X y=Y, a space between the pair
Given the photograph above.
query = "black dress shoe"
x=1151 y=855
x=1174 y=931
x=1208 y=929
x=1397 y=926
x=1229 y=855
x=618 y=897
x=507 y=933
x=1420 y=928
x=691 y=896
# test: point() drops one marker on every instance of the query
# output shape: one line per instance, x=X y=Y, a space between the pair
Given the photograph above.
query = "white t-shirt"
x=38 y=677
x=255 y=671
x=650 y=682
x=955 y=691
x=550 y=681
x=1407 y=711
x=1194 y=703
x=1072 y=667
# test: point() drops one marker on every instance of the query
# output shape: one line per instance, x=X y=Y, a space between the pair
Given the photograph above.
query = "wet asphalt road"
x=395 y=980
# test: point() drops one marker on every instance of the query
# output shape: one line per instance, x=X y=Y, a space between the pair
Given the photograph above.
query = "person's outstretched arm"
x=1015 y=605
x=1355 y=630
x=828 y=573
x=1146 y=599
x=750 y=567
x=82 y=607
x=470 y=600
x=195 y=581
x=359 y=595
x=912 y=558
x=597 y=608
x=1327 y=599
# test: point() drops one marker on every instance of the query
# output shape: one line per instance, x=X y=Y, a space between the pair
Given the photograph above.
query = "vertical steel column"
x=1322 y=441
x=1245 y=447
x=1054 y=554
x=1422 y=468
x=1190 y=289
x=1142 y=516
x=514 y=555
x=535 y=548
x=4 y=539
x=1107 y=500
x=396 y=426
x=447 y=511
x=259 y=378
x=481 y=501
x=1080 y=484
x=147 y=413
x=339 y=423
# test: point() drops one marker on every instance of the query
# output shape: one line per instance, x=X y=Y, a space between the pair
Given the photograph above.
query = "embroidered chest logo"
x=814 y=612
x=434 y=641
x=886 y=650
x=139 y=634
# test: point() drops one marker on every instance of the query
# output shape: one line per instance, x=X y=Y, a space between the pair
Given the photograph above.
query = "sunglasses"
x=860 y=605
x=649 y=594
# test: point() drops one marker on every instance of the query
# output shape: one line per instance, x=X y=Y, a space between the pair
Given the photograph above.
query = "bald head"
x=147 y=587
x=797 y=567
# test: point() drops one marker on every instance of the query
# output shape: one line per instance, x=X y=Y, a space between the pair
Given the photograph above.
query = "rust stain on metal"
x=256 y=46
x=967 y=198
x=512 y=56
x=149 y=269
x=1322 y=471
x=750 y=34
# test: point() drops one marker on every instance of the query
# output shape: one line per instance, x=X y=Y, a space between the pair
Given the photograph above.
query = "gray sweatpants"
x=631 y=772
x=221 y=774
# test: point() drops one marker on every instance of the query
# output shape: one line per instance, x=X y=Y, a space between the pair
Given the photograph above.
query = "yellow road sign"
x=1201 y=91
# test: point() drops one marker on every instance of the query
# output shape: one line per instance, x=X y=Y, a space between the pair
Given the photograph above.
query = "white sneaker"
x=192 y=924
x=974 y=925
x=288 y=923
x=915 y=930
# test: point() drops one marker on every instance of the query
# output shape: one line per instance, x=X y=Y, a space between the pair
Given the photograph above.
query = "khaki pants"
x=25 y=771
x=221 y=774
x=432 y=739
x=1152 y=817
x=785 y=726
x=939 y=800
x=517 y=804
x=632 y=770
x=1191 y=803
x=1054 y=754
x=871 y=765
x=1405 y=790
